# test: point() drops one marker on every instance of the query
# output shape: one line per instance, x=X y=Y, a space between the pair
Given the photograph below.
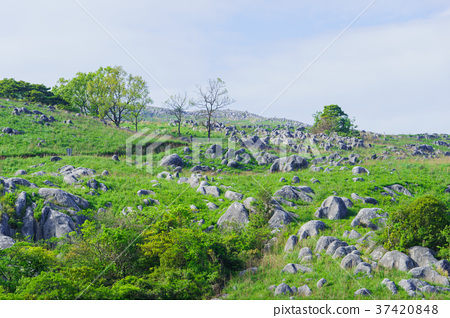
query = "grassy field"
x=93 y=143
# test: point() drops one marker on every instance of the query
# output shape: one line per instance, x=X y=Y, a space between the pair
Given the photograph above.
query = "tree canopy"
x=108 y=92
x=332 y=119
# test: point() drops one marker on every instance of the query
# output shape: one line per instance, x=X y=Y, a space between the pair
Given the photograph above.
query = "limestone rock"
x=235 y=213
x=397 y=260
x=310 y=229
x=333 y=208
x=290 y=244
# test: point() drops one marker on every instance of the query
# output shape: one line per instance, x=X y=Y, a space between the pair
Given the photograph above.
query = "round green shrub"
x=420 y=223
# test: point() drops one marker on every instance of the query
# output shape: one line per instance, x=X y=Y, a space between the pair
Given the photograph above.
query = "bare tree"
x=212 y=98
x=177 y=106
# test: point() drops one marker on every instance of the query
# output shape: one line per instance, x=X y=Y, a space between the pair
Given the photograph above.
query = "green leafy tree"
x=212 y=98
x=75 y=91
x=114 y=94
x=332 y=119
x=177 y=106
x=137 y=98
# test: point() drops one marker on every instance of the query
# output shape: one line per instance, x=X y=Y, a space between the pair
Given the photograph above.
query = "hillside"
x=263 y=211
x=223 y=115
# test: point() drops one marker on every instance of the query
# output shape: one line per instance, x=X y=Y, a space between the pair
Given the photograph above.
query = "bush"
x=421 y=223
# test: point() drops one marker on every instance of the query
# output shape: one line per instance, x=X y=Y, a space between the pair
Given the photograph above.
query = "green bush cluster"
x=423 y=222
x=140 y=257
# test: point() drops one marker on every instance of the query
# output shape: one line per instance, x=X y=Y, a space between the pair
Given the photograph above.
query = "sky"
x=385 y=63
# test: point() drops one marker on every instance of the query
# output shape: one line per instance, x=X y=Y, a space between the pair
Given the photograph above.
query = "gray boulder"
x=423 y=256
x=290 y=244
x=295 y=179
x=397 y=260
x=212 y=206
x=342 y=251
x=363 y=292
x=20 y=173
x=250 y=204
x=10 y=184
x=378 y=253
x=266 y=159
x=294 y=193
x=360 y=170
x=29 y=228
x=21 y=202
x=234 y=196
x=363 y=267
x=348 y=202
x=232 y=164
x=173 y=159
x=295 y=268
x=235 y=213
x=281 y=218
x=6 y=242
x=323 y=243
x=365 y=217
x=443 y=267
x=400 y=189
x=209 y=190
x=416 y=287
x=283 y=289
x=354 y=235
x=251 y=270
x=331 y=249
x=92 y=184
x=5 y=229
x=70 y=179
x=333 y=208
x=305 y=251
x=291 y=163
x=310 y=229
x=367 y=200
x=304 y=291
x=390 y=285
x=321 y=283
x=350 y=261
x=55 y=224
x=64 y=199
x=430 y=275
x=145 y=192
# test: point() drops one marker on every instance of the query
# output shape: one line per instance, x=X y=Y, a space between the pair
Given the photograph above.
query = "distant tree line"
x=110 y=92
x=35 y=93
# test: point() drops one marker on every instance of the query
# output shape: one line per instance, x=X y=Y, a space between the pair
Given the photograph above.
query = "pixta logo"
x=142 y=147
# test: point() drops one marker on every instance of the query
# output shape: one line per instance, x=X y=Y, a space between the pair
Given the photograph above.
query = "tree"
x=212 y=98
x=332 y=119
x=75 y=91
x=137 y=98
x=115 y=94
x=177 y=106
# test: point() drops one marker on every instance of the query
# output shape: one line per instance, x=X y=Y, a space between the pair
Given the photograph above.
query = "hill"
x=265 y=210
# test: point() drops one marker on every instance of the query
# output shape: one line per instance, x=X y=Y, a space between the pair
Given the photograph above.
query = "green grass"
x=93 y=143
